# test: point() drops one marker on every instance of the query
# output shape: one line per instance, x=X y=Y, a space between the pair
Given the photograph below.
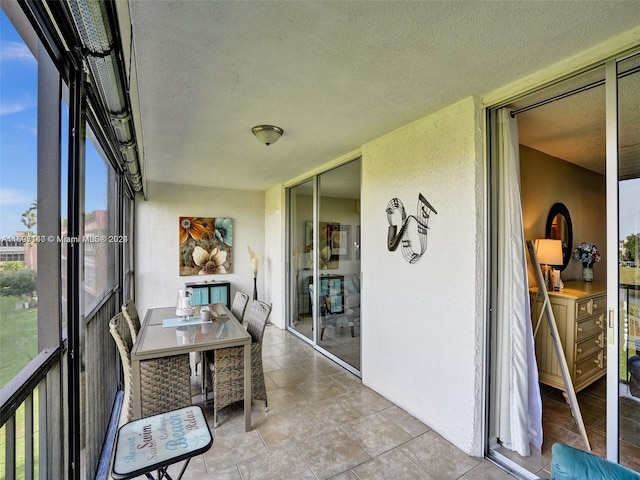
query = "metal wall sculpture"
x=400 y=230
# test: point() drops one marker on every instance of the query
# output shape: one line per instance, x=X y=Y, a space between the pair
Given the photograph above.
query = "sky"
x=18 y=136
x=18 y=129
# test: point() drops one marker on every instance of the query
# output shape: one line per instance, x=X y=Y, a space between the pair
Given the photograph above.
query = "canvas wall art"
x=206 y=245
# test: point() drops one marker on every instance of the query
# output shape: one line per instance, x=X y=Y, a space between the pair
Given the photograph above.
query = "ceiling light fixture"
x=267 y=134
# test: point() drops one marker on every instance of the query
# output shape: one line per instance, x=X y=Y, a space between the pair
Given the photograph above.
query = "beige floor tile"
x=322 y=387
x=323 y=423
x=288 y=376
x=486 y=471
x=229 y=473
x=269 y=364
x=365 y=401
x=375 y=433
x=228 y=450
x=349 y=380
x=286 y=399
x=438 y=457
x=282 y=464
x=348 y=475
x=329 y=413
x=331 y=453
x=393 y=465
x=285 y=428
x=289 y=359
x=408 y=423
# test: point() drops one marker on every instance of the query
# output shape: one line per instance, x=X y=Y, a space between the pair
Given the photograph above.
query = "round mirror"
x=559 y=228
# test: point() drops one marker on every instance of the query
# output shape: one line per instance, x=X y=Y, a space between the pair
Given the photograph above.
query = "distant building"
x=17 y=249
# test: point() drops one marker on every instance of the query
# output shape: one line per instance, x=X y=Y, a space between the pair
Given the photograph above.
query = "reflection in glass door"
x=338 y=260
x=324 y=259
x=301 y=258
x=624 y=385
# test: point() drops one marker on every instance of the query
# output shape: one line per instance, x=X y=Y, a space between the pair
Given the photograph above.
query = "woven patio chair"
x=165 y=382
x=239 y=305
x=227 y=367
x=133 y=319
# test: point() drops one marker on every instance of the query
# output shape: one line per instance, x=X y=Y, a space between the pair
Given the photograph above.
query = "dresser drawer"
x=589 y=367
x=588 y=347
x=583 y=308
x=589 y=326
x=599 y=304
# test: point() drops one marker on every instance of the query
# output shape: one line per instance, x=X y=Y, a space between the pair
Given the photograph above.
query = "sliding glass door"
x=301 y=258
x=324 y=256
x=623 y=208
x=578 y=146
x=338 y=260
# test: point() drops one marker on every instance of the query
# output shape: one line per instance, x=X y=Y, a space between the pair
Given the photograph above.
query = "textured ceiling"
x=334 y=75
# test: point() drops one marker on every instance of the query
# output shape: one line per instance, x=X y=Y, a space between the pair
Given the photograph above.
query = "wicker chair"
x=165 y=382
x=240 y=302
x=227 y=367
x=133 y=319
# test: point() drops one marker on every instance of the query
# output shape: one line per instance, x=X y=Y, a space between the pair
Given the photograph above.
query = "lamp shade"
x=267 y=134
x=549 y=251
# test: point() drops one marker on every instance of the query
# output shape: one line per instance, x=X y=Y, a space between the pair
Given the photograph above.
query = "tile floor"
x=323 y=423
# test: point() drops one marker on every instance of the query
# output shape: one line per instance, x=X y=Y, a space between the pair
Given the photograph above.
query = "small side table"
x=153 y=443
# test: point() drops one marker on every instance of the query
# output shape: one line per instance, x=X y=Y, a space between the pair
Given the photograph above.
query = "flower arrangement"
x=587 y=254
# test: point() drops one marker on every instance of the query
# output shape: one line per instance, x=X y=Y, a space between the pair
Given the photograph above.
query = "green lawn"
x=18 y=346
x=630 y=275
x=18 y=338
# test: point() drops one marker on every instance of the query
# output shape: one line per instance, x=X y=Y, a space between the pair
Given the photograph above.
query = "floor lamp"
x=254 y=268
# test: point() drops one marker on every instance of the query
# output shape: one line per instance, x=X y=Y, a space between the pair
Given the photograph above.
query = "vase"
x=587 y=274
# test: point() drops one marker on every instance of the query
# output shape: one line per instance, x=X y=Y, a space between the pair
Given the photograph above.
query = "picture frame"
x=340 y=237
x=205 y=245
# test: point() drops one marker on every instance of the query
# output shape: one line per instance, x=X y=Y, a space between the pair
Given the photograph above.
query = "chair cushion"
x=570 y=463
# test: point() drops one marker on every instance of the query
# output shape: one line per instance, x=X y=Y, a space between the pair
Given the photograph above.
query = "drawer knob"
x=597 y=361
x=598 y=322
x=579 y=350
x=578 y=371
x=597 y=341
x=579 y=329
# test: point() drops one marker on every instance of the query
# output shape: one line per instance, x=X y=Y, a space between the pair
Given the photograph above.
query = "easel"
x=553 y=329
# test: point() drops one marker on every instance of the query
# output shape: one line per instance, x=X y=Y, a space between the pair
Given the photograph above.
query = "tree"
x=30 y=216
x=17 y=283
x=632 y=248
x=12 y=265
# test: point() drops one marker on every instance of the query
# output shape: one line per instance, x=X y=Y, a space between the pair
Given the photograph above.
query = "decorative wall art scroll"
x=402 y=232
x=206 y=245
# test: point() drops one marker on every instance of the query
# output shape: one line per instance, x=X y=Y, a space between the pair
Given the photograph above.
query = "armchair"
x=165 y=382
x=130 y=312
x=226 y=365
x=569 y=463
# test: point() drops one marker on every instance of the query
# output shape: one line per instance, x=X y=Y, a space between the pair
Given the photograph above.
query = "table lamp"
x=549 y=253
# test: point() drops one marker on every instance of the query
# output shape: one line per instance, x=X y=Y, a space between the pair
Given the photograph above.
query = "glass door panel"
x=338 y=244
x=625 y=425
x=301 y=258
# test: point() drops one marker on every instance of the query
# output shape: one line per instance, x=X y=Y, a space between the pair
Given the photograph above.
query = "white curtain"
x=519 y=406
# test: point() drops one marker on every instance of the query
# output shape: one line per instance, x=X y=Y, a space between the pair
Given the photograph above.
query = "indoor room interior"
x=562 y=173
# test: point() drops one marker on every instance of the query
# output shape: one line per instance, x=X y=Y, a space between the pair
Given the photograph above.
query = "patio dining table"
x=162 y=335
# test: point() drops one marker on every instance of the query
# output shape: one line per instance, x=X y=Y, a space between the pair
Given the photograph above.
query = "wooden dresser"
x=580 y=312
